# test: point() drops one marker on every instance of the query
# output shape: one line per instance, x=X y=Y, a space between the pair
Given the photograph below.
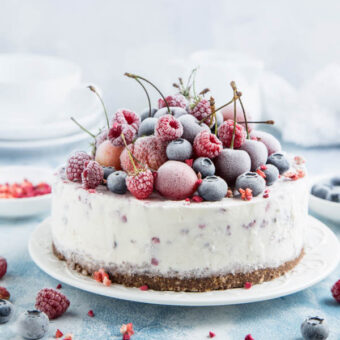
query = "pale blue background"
x=275 y=319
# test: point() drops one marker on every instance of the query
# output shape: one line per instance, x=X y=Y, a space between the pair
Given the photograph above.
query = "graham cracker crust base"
x=201 y=284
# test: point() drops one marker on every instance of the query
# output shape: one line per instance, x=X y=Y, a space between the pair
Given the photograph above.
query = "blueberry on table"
x=250 y=180
x=335 y=181
x=280 y=161
x=179 y=150
x=108 y=170
x=33 y=324
x=213 y=188
x=314 y=328
x=205 y=166
x=320 y=190
x=6 y=311
x=116 y=182
x=334 y=195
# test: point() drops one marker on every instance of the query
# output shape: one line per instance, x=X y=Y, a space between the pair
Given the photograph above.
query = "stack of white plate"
x=38 y=95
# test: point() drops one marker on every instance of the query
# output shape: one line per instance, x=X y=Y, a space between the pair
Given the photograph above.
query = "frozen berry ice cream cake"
x=181 y=198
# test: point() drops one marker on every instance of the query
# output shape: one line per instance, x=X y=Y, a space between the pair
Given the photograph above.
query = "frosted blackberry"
x=147 y=127
x=108 y=170
x=175 y=111
x=179 y=150
x=334 y=195
x=191 y=127
x=213 y=188
x=250 y=180
x=280 y=161
x=33 y=324
x=271 y=172
x=145 y=113
x=314 y=328
x=205 y=166
x=116 y=182
x=321 y=190
x=6 y=311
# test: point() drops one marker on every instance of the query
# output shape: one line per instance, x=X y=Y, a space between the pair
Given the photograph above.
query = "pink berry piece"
x=75 y=165
x=272 y=144
x=52 y=303
x=176 y=180
x=207 y=144
x=225 y=134
x=231 y=163
x=3 y=267
x=92 y=175
x=126 y=117
x=201 y=110
x=257 y=152
x=168 y=128
x=141 y=184
x=178 y=100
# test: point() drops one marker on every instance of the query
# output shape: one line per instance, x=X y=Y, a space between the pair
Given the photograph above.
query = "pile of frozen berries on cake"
x=186 y=149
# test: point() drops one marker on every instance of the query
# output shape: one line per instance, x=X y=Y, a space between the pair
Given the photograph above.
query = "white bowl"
x=324 y=208
x=31 y=84
x=22 y=207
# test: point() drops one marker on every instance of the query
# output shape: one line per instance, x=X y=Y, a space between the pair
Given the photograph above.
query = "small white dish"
x=322 y=256
x=23 y=207
x=321 y=207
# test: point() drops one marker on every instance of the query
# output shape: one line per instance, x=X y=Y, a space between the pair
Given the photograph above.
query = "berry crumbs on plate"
x=127 y=330
x=102 y=277
x=336 y=291
x=25 y=189
x=211 y=334
x=248 y=285
x=90 y=313
x=4 y=293
x=58 y=334
x=145 y=287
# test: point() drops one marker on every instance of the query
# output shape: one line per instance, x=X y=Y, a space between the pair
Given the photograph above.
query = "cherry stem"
x=269 y=122
x=146 y=92
x=213 y=112
x=232 y=84
x=93 y=89
x=190 y=76
x=245 y=117
x=83 y=128
x=129 y=153
x=130 y=75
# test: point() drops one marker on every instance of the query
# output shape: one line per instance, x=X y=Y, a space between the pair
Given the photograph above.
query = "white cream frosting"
x=177 y=238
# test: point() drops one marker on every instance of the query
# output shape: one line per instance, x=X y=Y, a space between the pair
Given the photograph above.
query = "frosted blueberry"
x=314 y=328
x=175 y=111
x=280 y=161
x=33 y=324
x=251 y=180
x=320 y=190
x=6 y=311
x=191 y=127
x=334 y=195
x=271 y=172
x=257 y=152
x=213 y=188
x=205 y=166
x=116 y=182
x=335 y=181
x=179 y=150
x=147 y=127
x=145 y=113
x=108 y=170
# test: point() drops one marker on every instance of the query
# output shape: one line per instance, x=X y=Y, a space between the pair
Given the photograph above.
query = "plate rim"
x=135 y=295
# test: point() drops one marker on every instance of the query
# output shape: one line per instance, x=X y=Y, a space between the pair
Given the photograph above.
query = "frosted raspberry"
x=75 y=165
x=4 y=293
x=168 y=128
x=92 y=175
x=116 y=131
x=207 y=144
x=178 y=100
x=52 y=303
x=225 y=134
x=336 y=291
x=201 y=110
x=141 y=184
x=102 y=137
x=3 y=267
x=126 y=117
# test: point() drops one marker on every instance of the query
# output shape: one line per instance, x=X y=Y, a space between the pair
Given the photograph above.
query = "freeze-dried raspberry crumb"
x=58 y=334
x=90 y=313
x=211 y=334
x=266 y=193
x=246 y=194
x=59 y=286
x=75 y=166
x=145 y=287
x=177 y=100
x=299 y=160
x=154 y=261
x=92 y=175
x=230 y=193
x=197 y=199
x=261 y=173
x=68 y=337
x=102 y=277
x=247 y=285
x=225 y=134
x=207 y=144
x=141 y=184
x=189 y=162
x=336 y=291
x=52 y=303
x=187 y=199
x=168 y=128
x=249 y=337
x=127 y=330
x=3 y=267
x=263 y=167
x=4 y=293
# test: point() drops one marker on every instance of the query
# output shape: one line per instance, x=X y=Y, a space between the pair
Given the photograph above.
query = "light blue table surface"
x=274 y=319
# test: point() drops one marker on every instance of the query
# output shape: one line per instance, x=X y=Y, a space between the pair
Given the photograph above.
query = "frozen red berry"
x=127 y=329
x=144 y=287
x=90 y=313
x=52 y=303
x=176 y=180
x=116 y=131
x=126 y=117
x=4 y=293
x=178 y=100
x=202 y=110
x=140 y=184
x=3 y=266
x=207 y=144
x=225 y=134
x=247 y=285
x=168 y=128
x=59 y=286
x=75 y=165
x=211 y=334
x=336 y=291
x=248 y=337
x=58 y=334
x=92 y=175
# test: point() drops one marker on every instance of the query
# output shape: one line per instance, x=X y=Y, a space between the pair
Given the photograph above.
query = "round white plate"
x=322 y=256
x=326 y=209
x=22 y=207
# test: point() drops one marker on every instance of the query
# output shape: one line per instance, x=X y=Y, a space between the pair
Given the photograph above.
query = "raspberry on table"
x=52 y=303
x=202 y=110
x=336 y=291
x=168 y=128
x=92 y=175
x=3 y=266
x=207 y=144
x=178 y=100
x=141 y=184
x=225 y=134
x=75 y=165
